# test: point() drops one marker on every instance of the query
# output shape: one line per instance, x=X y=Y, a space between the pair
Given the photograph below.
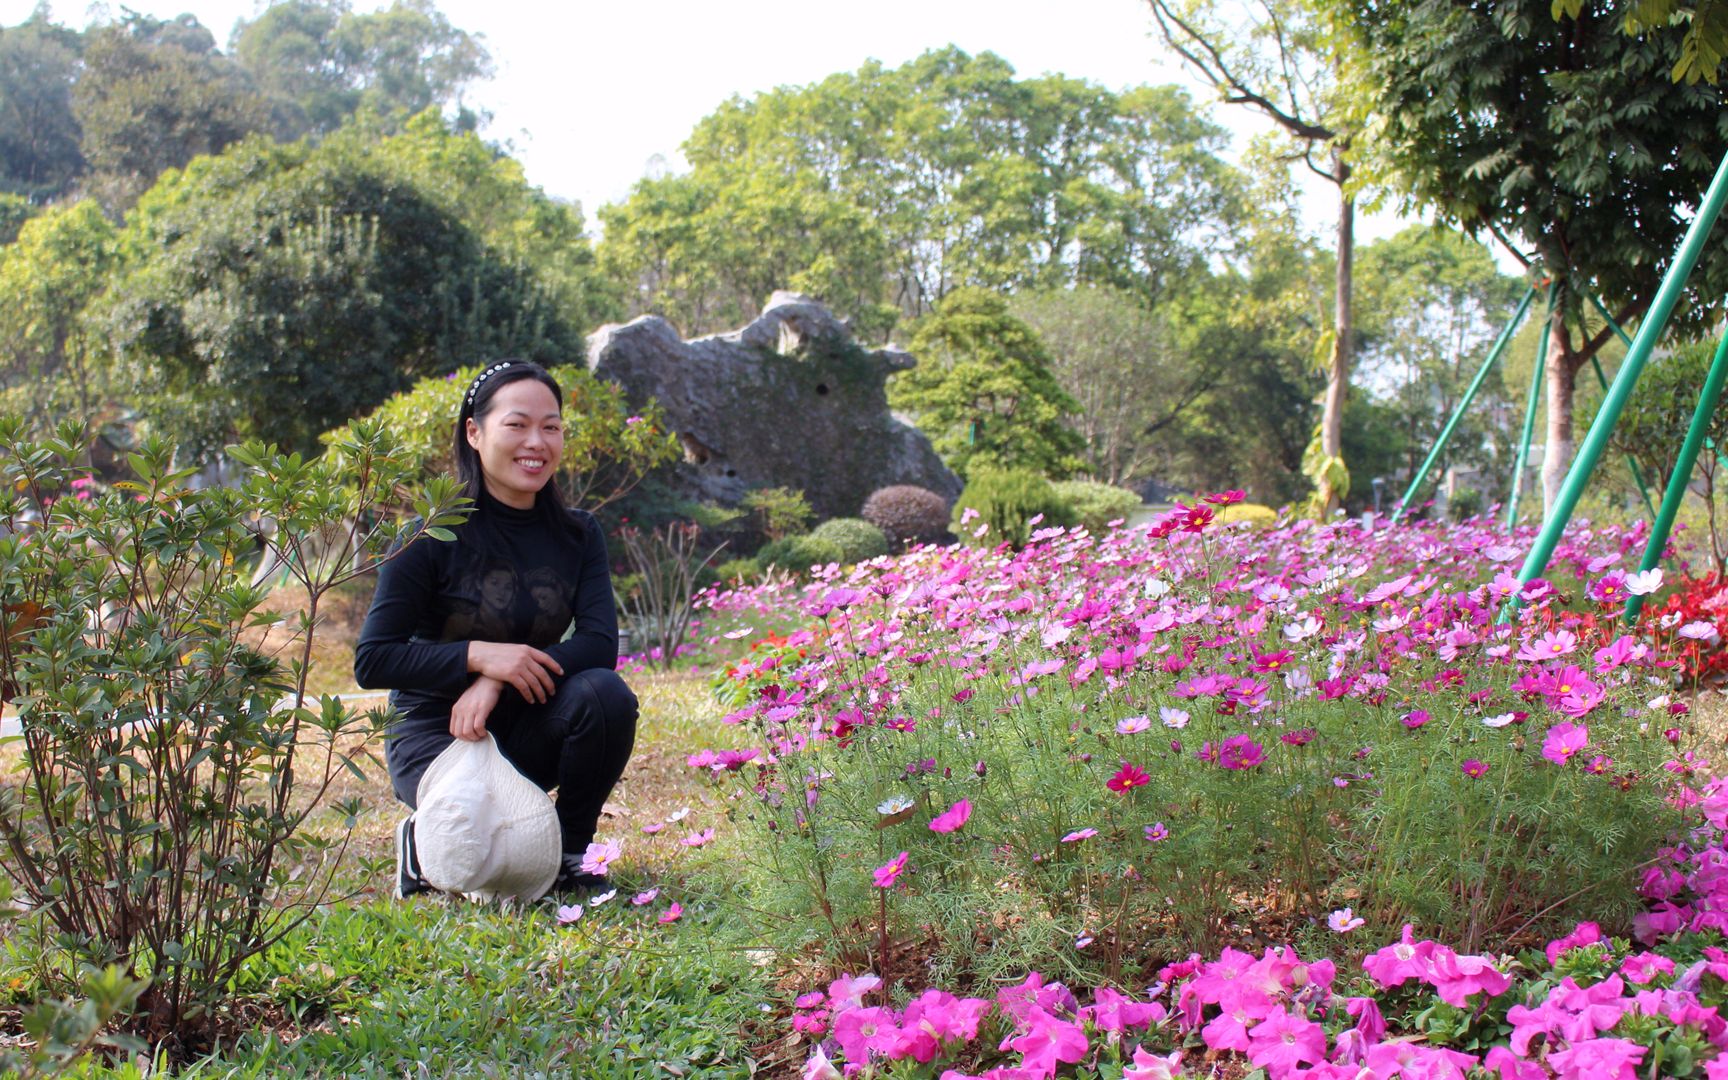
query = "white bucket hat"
x=483 y=829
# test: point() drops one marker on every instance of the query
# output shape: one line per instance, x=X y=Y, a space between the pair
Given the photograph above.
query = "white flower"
x=1499 y=721
x=1173 y=718
x=1644 y=582
x=1305 y=627
x=1155 y=588
x=679 y=814
x=893 y=804
x=1698 y=631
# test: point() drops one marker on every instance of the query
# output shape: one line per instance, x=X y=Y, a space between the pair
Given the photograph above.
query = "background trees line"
x=1182 y=323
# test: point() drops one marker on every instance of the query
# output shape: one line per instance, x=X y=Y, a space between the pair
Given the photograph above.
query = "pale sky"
x=587 y=93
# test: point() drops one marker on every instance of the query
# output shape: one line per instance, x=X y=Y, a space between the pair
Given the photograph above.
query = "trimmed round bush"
x=1008 y=500
x=799 y=553
x=859 y=539
x=908 y=514
x=1261 y=517
x=1097 y=504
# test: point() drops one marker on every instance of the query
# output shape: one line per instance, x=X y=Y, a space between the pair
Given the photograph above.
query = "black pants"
x=578 y=742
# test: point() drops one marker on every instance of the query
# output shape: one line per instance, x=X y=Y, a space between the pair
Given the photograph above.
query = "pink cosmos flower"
x=1343 y=921
x=1128 y=777
x=599 y=857
x=1078 y=835
x=645 y=897
x=1474 y=769
x=698 y=839
x=1132 y=725
x=889 y=872
x=569 y=913
x=673 y=913
x=1157 y=832
x=1564 y=740
x=952 y=818
x=653 y=827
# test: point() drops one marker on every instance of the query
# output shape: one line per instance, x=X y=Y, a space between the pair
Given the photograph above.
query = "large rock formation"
x=790 y=400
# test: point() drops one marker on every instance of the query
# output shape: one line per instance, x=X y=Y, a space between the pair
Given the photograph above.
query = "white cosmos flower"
x=1498 y=721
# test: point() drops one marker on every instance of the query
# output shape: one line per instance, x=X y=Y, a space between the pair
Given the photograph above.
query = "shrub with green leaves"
x=858 y=539
x=1097 y=504
x=1008 y=501
x=907 y=514
x=169 y=763
x=608 y=446
x=799 y=553
x=1261 y=517
x=782 y=511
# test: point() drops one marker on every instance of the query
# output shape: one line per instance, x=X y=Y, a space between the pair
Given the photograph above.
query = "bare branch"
x=1216 y=70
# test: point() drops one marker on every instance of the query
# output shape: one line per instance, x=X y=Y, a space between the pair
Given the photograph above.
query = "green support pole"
x=1602 y=381
x=1671 y=499
x=1606 y=417
x=1530 y=411
x=1500 y=344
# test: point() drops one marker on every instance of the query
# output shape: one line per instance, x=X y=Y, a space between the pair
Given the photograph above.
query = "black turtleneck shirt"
x=512 y=576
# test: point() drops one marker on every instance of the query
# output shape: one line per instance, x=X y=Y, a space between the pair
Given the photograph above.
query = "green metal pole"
x=1671 y=499
x=1530 y=411
x=1602 y=380
x=1606 y=417
x=1500 y=344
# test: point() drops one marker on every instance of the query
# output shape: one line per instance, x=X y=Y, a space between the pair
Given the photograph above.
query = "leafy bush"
x=858 y=539
x=1464 y=504
x=907 y=514
x=1097 y=504
x=608 y=446
x=169 y=764
x=737 y=570
x=1008 y=501
x=1261 y=517
x=799 y=553
x=784 y=512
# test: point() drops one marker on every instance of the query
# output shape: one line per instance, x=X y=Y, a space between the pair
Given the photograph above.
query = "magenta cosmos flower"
x=889 y=872
x=1127 y=777
x=1565 y=739
x=952 y=818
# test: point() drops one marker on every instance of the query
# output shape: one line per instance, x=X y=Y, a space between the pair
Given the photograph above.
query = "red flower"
x=1128 y=776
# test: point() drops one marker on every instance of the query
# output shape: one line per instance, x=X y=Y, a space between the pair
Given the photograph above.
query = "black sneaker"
x=571 y=877
x=408 y=880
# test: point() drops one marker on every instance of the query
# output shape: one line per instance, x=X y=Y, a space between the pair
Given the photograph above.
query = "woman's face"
x=519 y=442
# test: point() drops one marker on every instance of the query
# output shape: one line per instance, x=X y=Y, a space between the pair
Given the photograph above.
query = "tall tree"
x=48 y=278
x=39 y=154
x=971 y=175
x=1280 y=58
x=1565 y=139
x=152 y=96
x=983 y=390
x=320 y=62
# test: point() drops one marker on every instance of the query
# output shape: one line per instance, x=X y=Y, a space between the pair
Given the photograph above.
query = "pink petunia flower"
x=1286 y=1041
x=1400 y=962
x=1047 y=1041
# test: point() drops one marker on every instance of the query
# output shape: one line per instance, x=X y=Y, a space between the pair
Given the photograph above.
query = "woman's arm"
x=385 y=657
x=594 y=641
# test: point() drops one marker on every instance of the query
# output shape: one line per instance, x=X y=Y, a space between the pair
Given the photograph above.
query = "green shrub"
x=783 y=511
x=1097 y=504
x=170 y=762
x=799 y=553
x=908 y=514
x=859 y=539
x=737 y=570
x=1008 y=501
x=1464 y=504
x=1261 y=517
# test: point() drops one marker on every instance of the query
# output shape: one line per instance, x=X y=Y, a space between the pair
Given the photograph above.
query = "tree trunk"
x=1561 y=375
x=1338 y=374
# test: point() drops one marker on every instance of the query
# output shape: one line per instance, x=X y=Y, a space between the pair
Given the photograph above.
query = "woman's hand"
x=468 y=715
x=526 y=668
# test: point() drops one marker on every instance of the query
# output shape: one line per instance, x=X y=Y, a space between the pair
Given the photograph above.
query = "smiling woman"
x=509 y=628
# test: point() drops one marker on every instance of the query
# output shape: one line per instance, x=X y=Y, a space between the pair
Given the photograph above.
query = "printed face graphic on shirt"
x=499 y=604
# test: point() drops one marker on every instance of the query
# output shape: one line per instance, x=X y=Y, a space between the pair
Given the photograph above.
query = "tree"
x=983 y=390
x=1564 y=139
x=60 y=263
x=277 y=290
x=39 y=154
x=1279 y=58
x=1132 y=372
x=152 y=96
x=1704 y=49
x=320 y=63
x=1431 y=304
x=966 y=175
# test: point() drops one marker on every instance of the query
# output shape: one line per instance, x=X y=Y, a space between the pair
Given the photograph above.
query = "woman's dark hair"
x=476 y=404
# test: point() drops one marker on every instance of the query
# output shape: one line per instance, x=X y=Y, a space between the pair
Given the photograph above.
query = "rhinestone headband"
x=482 y=377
